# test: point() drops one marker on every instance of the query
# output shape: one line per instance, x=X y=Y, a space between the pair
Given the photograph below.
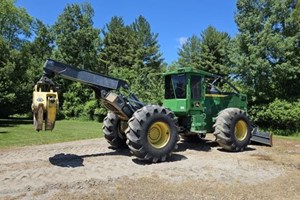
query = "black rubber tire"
x=137 y=133
x=225 y=129
x=112 y=132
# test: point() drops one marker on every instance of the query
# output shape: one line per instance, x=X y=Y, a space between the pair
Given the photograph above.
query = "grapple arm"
x=95 y=80
x=44 y=103
x=45 y=97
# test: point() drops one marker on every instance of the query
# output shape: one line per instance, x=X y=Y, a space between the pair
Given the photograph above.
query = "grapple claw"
x=44 y=104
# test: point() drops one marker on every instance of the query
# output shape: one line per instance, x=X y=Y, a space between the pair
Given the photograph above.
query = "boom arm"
x=97 y=81
x=45 y=94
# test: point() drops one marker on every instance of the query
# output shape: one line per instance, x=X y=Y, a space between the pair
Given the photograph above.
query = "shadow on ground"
x=73 y=160
x=173 y=158
x=199 y=145
x=246 y=149
x=196 y=145
x=14 y=122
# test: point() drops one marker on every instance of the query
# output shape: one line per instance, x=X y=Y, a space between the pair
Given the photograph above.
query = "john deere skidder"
x=193 y=106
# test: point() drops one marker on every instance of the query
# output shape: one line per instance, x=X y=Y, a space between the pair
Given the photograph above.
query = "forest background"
x=262 y=60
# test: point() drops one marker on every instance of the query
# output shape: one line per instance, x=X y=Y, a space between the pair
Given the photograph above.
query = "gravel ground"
x=89 y=169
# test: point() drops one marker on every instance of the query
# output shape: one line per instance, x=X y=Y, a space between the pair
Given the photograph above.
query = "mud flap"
x=261 y=137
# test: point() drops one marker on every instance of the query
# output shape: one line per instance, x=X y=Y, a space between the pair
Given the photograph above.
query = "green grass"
x=21 y=132
x=283 y=134
x=294 y=137
x=16 y=132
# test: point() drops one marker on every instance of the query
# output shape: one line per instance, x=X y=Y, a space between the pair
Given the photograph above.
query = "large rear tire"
x=112 y=131
x=152 y=133
x=232 y=129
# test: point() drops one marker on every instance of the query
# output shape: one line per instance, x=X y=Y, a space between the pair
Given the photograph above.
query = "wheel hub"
x=240 y=130
x=155 y=134
x=159 y=134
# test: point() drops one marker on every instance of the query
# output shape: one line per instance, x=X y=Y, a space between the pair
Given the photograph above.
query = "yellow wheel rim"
x=240 y=130
x=159 y=134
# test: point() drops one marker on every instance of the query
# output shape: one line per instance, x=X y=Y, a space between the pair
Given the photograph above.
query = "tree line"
x=130 y=52
x=262 y=59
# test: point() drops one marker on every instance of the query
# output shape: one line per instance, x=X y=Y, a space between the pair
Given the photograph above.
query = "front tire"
x=232 y=129
x=112 y=131
x=152 y=133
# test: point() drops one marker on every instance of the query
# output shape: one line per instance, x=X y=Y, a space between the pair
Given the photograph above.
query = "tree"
x=14 y=84
x=267 y=54
x=214 y=51
x=77 y=41
x=131 y=52
x=8 y=96
x=117 y=46
x=145 y=45
x=147 y=62
x=40 y=49
x=15 y=23
x=15 y=29
x=78 y=44
x=189 y=53
x=208 y=53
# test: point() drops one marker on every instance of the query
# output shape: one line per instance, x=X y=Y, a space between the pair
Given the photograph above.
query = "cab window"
x=195 y=87
x=175 y=86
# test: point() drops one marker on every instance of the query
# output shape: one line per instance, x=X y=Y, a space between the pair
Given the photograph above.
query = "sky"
x=173 y=20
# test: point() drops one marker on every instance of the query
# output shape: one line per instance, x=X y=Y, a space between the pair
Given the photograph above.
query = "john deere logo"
x=40 y=99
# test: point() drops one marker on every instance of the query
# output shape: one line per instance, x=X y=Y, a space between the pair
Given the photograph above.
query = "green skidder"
x=202 y=107
x=195 y=103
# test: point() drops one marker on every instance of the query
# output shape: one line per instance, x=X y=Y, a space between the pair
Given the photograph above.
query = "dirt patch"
x=89 y=169
x=262 y=157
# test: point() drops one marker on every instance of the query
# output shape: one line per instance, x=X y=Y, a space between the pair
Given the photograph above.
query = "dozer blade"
x=262 y=137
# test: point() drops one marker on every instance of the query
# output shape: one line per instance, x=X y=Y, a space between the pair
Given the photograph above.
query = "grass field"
x=295 y=137
x=16 y=133
x=21 y=132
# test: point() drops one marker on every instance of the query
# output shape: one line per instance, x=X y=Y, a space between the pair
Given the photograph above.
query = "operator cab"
x=175 y=86
x=184 y=90
x=195 y=98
